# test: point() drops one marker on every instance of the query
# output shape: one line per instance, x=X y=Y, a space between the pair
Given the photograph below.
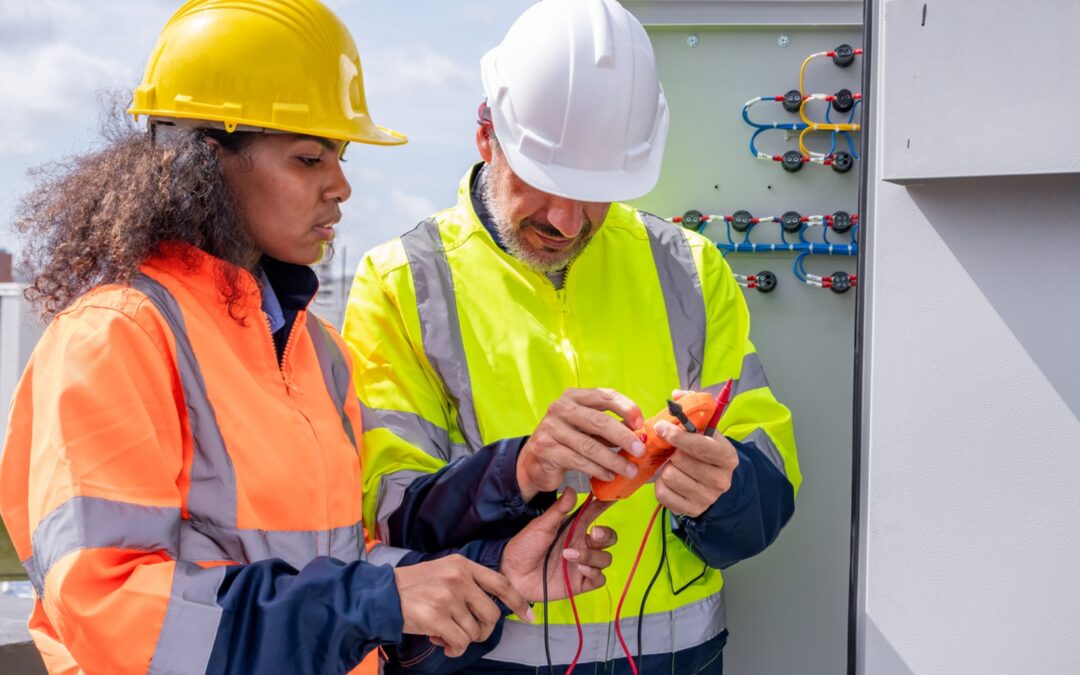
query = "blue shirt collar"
x=271 y=306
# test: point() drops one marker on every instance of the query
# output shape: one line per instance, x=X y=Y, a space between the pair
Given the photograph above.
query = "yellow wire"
x=815 y=126
x=802 y=71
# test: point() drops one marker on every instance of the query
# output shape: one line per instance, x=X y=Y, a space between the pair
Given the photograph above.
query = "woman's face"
x=289 y=190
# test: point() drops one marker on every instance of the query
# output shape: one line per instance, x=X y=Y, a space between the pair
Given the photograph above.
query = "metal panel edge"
x=747 y=12
x=860 y=469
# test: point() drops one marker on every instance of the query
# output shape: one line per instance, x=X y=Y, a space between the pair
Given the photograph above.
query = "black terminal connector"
x=841 y=282
x=843 y=101
x=792 y=161
x=845 y=56
x=691 y=219
x=791 y=221
x=741 y=221
x=766 y=281
x=841 y=222
x=793 y=101
x=677 y=412
x=842 y=162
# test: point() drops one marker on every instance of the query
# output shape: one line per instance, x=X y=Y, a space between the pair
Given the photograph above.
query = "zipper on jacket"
x=567 y=346
x=291 y=386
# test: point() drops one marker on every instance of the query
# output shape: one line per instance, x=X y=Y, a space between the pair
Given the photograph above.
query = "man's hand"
x=523 y=558
x=697 y=474
x=577 y=435
x=449 y=600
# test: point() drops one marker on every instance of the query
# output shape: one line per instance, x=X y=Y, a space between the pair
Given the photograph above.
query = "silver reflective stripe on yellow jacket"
x=439 y=322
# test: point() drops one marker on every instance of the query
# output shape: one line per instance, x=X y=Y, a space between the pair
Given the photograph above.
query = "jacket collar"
x=294 y=285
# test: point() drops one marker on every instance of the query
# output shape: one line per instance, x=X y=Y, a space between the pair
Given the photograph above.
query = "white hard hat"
x=576 y=102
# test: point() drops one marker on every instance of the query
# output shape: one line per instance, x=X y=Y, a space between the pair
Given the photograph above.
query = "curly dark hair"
x=94 y=218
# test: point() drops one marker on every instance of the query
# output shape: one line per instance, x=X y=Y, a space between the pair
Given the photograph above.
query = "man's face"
x=543 y=231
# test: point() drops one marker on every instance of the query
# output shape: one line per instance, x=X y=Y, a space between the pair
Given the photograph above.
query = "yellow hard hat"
x=286 y=65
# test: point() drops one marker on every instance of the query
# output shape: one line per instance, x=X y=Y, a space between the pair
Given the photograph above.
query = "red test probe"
x=694 y=412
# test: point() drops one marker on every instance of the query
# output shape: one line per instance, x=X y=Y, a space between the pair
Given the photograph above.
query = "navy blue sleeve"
x=746 y=518
x=416 y=654
x=472 y=498
x=322 y=619
x=486 y=552
x=472 y=507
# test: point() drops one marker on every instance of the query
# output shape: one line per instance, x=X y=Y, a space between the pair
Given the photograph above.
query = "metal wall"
x=971 y=542
x=19 y=332
x=788 y=606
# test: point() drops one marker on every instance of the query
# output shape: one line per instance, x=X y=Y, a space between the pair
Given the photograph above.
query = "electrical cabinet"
x=788 y=607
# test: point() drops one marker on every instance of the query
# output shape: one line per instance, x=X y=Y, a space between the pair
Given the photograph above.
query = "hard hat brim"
x=370 y=134
x=586 y=185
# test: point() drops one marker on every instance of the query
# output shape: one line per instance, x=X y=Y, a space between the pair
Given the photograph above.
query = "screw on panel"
x=691 y=40
x=783 y=41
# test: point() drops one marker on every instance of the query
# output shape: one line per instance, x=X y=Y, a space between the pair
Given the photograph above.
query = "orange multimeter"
x=697 y=408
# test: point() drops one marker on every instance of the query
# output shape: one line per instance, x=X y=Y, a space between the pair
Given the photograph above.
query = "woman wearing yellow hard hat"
x=181 y=473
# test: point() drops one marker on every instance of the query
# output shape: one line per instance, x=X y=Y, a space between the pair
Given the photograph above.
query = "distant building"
x=5 y=267
x=334 y=284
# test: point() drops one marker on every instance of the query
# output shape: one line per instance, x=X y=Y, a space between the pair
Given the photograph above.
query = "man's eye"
x=310 y=161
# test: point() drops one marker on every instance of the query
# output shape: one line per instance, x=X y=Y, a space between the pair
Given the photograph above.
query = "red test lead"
x=722 y=400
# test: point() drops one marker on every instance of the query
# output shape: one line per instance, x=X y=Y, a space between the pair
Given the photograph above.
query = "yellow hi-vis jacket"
x=459 y=345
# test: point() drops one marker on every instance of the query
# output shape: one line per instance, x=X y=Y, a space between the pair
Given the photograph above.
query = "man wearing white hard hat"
x=507 y=344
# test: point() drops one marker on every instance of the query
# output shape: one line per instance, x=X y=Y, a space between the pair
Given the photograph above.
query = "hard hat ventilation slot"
x=603 y=40
x=536 y=148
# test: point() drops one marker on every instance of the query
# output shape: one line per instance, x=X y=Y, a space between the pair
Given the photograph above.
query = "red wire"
x=569 y=588
x=618 y=610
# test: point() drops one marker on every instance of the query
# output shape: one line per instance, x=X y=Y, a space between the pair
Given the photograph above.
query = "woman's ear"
x=215 y=146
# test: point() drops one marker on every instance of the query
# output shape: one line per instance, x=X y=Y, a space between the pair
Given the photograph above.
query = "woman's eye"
x=310 y=161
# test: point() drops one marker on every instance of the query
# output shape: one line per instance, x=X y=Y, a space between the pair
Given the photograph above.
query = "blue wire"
x=753 y=137
x=787 y=126
x=795 y=267
x=791 y=126
x=851 y=120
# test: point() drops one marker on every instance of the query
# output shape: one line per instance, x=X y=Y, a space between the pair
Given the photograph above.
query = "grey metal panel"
x=968 y=553
x=746 y=12
x=787 y=608
x=969 y=89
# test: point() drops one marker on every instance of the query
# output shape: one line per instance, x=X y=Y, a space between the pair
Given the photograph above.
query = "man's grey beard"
x=513 y=237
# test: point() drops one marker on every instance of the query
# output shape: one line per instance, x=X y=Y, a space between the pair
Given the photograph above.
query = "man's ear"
x=483 y=144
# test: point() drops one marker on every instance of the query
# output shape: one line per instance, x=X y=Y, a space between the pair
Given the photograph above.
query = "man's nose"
x=567 y=216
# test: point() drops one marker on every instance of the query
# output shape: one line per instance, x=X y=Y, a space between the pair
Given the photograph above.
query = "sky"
x=420 y=60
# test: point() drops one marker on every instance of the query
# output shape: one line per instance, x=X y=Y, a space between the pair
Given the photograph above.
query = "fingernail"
x=662 y=429
x=597 y=534
x=571 y=554
x=631 y=471
x=530 y=616
x=637 y=448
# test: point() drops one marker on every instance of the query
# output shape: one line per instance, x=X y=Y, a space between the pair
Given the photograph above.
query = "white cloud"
x=50 y=90
x=410 y=207
x=417 y=70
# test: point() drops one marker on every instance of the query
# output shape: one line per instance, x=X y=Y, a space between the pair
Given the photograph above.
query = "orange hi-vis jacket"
x=182 y=501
